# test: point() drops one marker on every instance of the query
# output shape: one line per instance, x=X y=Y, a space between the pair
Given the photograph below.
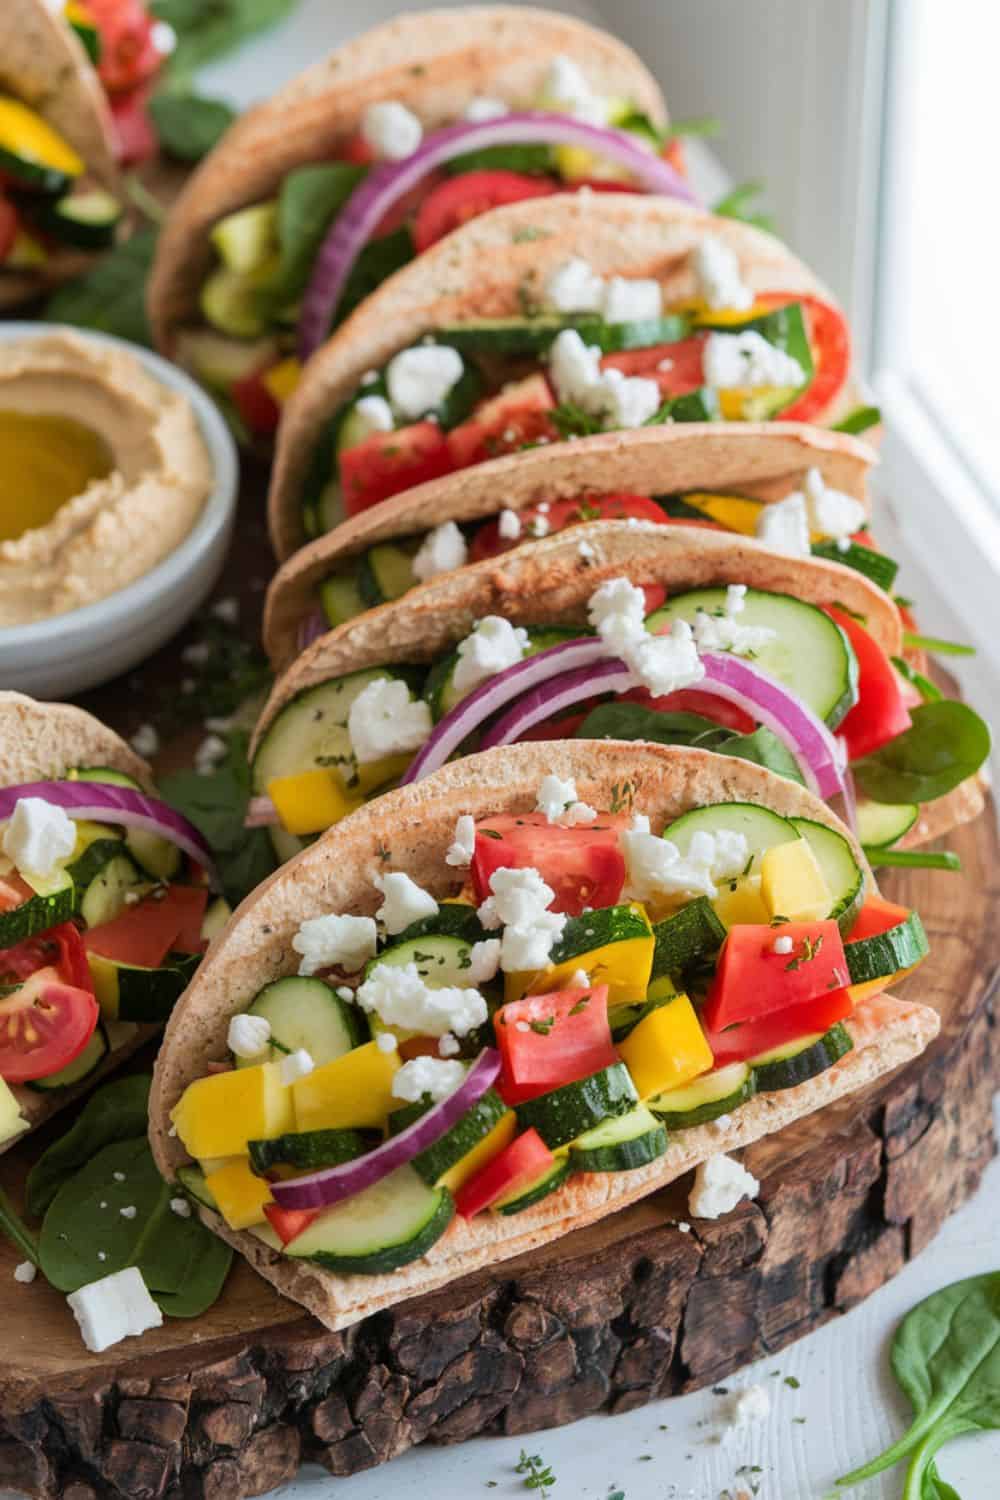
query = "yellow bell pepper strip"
x=281 y=379
x=377 y=772
x=311 y=801
x=740 y=902
x=792 y=884
x=352 y=1091
x=734 y=512
x=24 y=133
x=239 y=1193
x=217 y=1115
x=667 y=1049
x=483 y=1151
x=624 y=966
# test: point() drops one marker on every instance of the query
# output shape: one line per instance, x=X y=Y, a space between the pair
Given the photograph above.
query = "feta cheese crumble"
x=725 y=633
x=509 y=525
x=441 y=551
x=371 y=414
x=116 y=1307
x=386 y=1042
x=294 y=1065
x=519 y=904
x=384 y=720
x=400 y=998
x=574 y=287
x=558 y=801
x=484 y=960
x=481 y=108
x=719 y=279
x=419 y=379
x=335 y=942
x=494 y=645
x=750 y=1405
x=747 y=361
x=392 y=130
x=831 y=512
x=463 y=845
x=782 y=946
x=145 y=741
x=620 y=400
x=404 y=902
x=783 y=525
x=449 y=1046
x=632 y=299
x=38 y=835
x=427 y=1075
x=248 y=1035
x=656 y=867
x=25 y=1272
x=719 y=1184
x=181 y=1207
x=567 y=90
x=661 y=663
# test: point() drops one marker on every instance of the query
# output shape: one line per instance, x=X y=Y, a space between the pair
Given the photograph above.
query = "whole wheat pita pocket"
x=757 y=459
x=41 y=742
x=416 y=825
x=488 y=269
x=433 y=61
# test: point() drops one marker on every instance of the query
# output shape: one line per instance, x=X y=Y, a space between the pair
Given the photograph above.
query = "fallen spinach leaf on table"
x=946 y=1357
x=216 y=804
x=187 y=125
x=946 y=742
x=116 y=1112
x=309 y=200
x=111 y=298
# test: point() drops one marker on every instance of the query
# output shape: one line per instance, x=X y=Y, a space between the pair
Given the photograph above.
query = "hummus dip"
x=71 y=406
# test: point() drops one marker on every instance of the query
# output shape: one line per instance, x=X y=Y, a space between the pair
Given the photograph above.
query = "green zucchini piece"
x=798 y=1061
x=551 y=1179
x=306 y=1013
x=718 y=1093
x=105 y=896
x=385 y=572
x=881 y=824
x=622 y=1144
x=309 y=1150
x=192 y=1180
x=690 y=934
x=599 y=929
x=564 y=1114
x=127 y=992
x=440 y=961
x=474 y=1126
x=380 y=1229
x=89 y=1060
x=761 y=828
x=885 y=953
x=36 y=914
x=874 y=565
x=340 y=599
x=85 y=220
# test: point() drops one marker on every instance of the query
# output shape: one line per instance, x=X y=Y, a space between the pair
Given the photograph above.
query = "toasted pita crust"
x=549 y=582
x=433 y=61
x=41 y=742
x=484 y=270
x=416 y=824
x=765 y=460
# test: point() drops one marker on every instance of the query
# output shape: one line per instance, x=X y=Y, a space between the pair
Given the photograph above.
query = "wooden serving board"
x=612 y=1316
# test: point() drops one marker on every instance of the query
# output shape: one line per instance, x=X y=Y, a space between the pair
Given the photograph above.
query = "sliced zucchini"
x=105 y=896
x=340 y=599
x=457 y=919
x=881 y=824
x=128 y=992
x=599 y=929
x=627 y=1017
x=309 y=1150
x=761 y=828
x=247 y=240
x=886 y=953
x=86 y=220
x=564 y=1114
x=306 y=1013
x=385 y=1226
x=439 y=689
x=192 y=1180
x=809 y=653
x=874 y=565
x=232 y=304
x=86 y=867
x=692 y=933
x=157 y=856
x=385 y=572
x=440 y=961
x=549 y=1182
x=438 y=1159
x=620 y=1145
x=714 y=1094
x=798 y=1061
x=81 y=1067
x=37 y=914
x=841 y=871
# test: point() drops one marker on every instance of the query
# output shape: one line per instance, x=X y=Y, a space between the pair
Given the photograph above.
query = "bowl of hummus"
x=118 y=487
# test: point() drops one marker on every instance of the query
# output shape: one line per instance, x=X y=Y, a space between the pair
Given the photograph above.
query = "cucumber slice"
x=127 y=992
x=36 y=914
x=219 y=361
x=192 y=1180
x=874 y=565
x=309 y=1150
x=385 y=572
x=761 y=828
x=88 y=865
x=692 y=933
x=881 y=824
x=385 y=1226
x=247 y=240
x=885 y=953
x=551 y=1179
x=231 y=303
x=798 y=1061
x=439 y=689
x=80 y=1068
x=307 y=1013
x=328 y=508
x=717 y=1093
x=840 y=869
x=340 y=599
x=86 y=220
x=809 y=653
x=563 y=1115
x=440 y=960
x=626 y=1018
x=104 y=898
x=474 y=1126
x=458 y=919
x=311 y=730
x=620 y=1145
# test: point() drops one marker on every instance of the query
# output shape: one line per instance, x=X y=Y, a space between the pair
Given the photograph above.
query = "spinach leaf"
x=309 y=201
x=14 y=1227
x=377 y=261
x=118 y=1206
x=187 y=125
x=216 y=804
x=946 y=1357
x=763 y=748
x=946 y=742
x=116 y=1112
x=859 y=420
x=207 y=29
x=112 y=297
x=631 y=721
x=527 y=158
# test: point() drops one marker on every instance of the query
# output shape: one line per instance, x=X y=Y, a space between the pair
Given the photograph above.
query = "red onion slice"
x=102 y=802
x=386 y=184
x=311 y=627
x=334 y=1184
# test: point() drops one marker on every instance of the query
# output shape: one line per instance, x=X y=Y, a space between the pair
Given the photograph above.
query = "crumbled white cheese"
x=484 y=960
x=404 y=902
x=747 y=361
x=625 y=401
x=25 y=1272
x=631 y=300
x=750 y=1405
x=371 y=414
x=640 y=823
x=617 y=611
x=385 y=720
x=427 y=1075
x=38 y=835
x=116 y=1307
x=539 y=526
x=391 y=130
x=441 y=551
x=335 y=942
x=481 y=108
x=719 y=1184
x=684 y=1227
x=449 y=1046
x=725 y=633
x=723 y=854
x=719 y=279
x=620 y=400
x=463 y=846
x=575 y=367
x=574 y=286
x=558 y=801
x=722 y=1123
x=565 y=89
x=181 y=1207
x=519 y=903
x=509 y=525
x=295 y=1065
x=118 y=1176
x=579 y=980
x=665 y=663
x=783 y=525
x=530 y=946
x=399 y=997
x=227 y=610
x=494 y=645
x=248 y=1036
x=129 y=1212
x=145 y=741
x=385 y=1041
x=208 y=754
x=831 y=512
x=655 y=867
x=419 y=379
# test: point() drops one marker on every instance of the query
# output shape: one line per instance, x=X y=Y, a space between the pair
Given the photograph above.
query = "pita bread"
x=41 y=742
x=486 y=270
x=416 y=824
x=433 y=61
x=42 y=62
x=765 y=460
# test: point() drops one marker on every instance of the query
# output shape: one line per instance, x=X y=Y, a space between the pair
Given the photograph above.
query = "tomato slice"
x=676 y=368
x=144 y=934
x=693 y=701
x=60 y=947
x=751 y=980
x=44 y=1025
x=830 y=341
x=129 y=55
x=518 y=1164
x=546 y=1041
x=10 y=221
x=289 y=1223
x=255 y=403
x=880 y=712
x=876 y=916
x=459 y=199
x=563 y=513
x=583 y=865
x=389 y=462
x=751 y=1038
x=135 y=139
x=517 y=416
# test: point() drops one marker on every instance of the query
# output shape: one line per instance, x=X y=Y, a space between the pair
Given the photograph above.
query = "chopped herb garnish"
x=543 y=1027
x=538 y=1475
x=791 y=1382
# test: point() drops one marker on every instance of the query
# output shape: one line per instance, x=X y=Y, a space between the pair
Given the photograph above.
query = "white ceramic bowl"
x=79 y=649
